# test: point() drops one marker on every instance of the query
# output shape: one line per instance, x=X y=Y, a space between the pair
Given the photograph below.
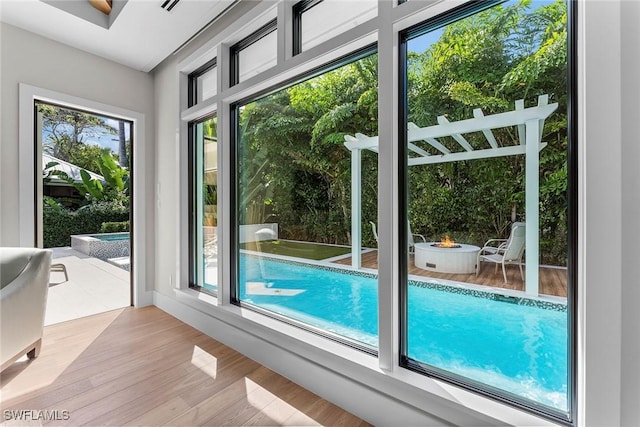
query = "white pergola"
x=529 y=122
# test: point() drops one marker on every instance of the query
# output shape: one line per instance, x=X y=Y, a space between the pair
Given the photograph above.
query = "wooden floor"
x=553 y=281
x=144 y=367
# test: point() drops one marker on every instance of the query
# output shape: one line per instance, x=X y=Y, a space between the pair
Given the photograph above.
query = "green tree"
x=85 y=156
x=122 y=145
x=68 y=130
x=295 y=167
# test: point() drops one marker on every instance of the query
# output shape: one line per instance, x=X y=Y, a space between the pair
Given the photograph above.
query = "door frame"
x=30 y=161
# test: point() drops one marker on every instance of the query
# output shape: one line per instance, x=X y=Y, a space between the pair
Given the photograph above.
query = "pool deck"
x=553 y=280
x=94 y=286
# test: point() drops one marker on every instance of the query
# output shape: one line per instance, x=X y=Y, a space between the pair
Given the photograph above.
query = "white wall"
x=37 y=61
x=167 y=114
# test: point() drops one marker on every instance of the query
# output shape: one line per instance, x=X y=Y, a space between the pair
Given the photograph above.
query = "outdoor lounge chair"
x=410 y=236
x=504 y=251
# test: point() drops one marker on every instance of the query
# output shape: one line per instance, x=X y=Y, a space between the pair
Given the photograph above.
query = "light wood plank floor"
x=144 y=367
x=553 y=281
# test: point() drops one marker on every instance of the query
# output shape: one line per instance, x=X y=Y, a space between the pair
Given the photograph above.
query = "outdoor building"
x=57 y=187
x=424 y=212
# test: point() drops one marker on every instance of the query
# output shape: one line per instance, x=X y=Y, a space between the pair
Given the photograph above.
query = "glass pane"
x=207 y=85
x=295 y=216
x=258 y=56
x=332 y=17
x=487 y=288
x=206 y=191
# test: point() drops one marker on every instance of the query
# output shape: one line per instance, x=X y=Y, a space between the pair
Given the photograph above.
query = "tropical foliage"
x=293 y=167
x=66 y=136
x=114 y=187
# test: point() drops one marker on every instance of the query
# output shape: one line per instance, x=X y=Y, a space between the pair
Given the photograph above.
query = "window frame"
x=193 y=81
x=438 y=21
x=298 y=9
x=254 y=37
x=326 y=67
x=193 y=250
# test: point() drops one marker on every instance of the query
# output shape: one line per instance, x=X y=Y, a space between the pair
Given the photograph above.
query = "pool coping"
x=470 y=289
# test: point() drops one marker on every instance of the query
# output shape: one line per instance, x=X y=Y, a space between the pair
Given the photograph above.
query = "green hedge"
x=60 y=223
x=114 y=227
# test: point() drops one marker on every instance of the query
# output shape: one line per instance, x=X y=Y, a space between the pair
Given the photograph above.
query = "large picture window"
x=486 y=282
x=294 y=204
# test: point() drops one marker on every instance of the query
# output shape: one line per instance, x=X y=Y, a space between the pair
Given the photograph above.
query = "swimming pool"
x=103 y=246
x=110 y=237
x=519 y=345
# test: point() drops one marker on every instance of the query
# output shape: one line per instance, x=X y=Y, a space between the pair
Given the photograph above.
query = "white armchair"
x=24 y=283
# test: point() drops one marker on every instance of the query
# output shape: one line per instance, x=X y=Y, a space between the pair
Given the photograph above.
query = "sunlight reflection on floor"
x=204 y=361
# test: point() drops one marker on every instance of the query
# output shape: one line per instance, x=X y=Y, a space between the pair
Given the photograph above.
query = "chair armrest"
x=487 y=243
x=424 y=240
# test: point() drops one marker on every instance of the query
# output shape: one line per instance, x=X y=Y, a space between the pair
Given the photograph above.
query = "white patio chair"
x=410 y=236
x=504 y=251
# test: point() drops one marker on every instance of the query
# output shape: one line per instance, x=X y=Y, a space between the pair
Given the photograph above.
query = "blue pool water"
x=110 y=237
x=518 y=348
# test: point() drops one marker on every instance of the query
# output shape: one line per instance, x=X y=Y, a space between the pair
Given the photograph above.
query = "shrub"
x=114 y=227
x=60 y=223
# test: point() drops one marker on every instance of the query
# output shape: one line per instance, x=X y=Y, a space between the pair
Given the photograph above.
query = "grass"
x=307 y=250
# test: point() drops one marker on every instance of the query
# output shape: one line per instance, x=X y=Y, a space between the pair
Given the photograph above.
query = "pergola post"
x=356 y=208
x=532 y=208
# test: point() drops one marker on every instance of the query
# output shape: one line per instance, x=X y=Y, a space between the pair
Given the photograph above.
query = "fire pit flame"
x=446 y=242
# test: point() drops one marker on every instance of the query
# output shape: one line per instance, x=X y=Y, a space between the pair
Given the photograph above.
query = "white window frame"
x=598 y=391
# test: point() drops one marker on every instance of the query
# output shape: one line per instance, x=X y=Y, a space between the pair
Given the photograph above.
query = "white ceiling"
x=142 y=35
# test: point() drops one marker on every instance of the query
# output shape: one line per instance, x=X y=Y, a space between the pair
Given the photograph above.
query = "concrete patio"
x=94 y=286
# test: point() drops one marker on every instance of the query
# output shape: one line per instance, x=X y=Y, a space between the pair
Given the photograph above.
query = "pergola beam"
x=477 y=113
x=459 y=138
x=473 y=155
x=417 y=150
x=494 y=121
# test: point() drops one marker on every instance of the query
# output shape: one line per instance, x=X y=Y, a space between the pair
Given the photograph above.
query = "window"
x=316 y=21
x=255 y=53
x=203 y=83
x=482 y=154
x=294 y=206
x=487 y=141
x=204 y=191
